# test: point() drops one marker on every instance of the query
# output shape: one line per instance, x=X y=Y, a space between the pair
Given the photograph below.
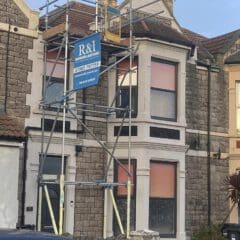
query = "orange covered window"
x=122 y=177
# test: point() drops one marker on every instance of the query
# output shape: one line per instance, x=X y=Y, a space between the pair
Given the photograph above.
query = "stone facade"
x=14 y=66
x=11 y=13
x=196 y=138
x=89 y=200
x=14 y=69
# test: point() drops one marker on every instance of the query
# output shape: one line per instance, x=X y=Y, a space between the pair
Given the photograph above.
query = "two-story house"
x=179 y=128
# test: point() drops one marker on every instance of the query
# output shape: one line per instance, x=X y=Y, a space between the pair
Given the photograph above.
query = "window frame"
x=176 y=65
x=175 y=164
x=134 y=114
x=237 y=106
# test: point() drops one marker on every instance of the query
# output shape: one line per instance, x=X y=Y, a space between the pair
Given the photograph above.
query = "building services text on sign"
x=87 y=62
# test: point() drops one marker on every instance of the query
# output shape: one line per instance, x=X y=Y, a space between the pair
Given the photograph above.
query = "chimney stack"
x=170 y=5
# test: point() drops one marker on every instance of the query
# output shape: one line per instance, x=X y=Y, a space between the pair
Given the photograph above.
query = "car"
x=23 y=234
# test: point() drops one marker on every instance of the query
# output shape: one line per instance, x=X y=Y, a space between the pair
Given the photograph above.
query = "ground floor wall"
x=9 y=186
x=89 y=199
x=144 y=154
x=234 y=167
x=55 y=150
x=197 y=192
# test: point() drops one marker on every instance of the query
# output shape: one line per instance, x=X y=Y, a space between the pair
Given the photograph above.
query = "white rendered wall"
x=9 y=172
x=34 y=149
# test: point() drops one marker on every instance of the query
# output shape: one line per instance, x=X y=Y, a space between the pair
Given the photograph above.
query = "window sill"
x=150 y=121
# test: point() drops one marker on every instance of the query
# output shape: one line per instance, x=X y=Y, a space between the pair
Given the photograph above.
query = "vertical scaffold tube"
x=39 y=221
x=130 y=122
x=62 y=197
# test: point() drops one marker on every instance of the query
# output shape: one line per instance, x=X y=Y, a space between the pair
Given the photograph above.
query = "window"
x=238 y=106
x=163 y=90
x=54 y=91
x=122 y=177
x=123 y=86
x=55 y=88
x=162 y=202
x=121 y=194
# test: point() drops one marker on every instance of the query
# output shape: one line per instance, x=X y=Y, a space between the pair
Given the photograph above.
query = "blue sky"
x=207 y=17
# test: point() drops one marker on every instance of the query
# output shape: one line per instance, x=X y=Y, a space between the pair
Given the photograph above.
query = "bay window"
x=163 y=90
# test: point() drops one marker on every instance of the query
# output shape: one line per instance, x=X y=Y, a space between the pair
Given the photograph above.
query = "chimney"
x=169 y=4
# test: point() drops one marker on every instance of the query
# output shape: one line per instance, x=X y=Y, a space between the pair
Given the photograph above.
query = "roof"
x=196 y=38
x=221 y=43
x=157 y=30
x=10 y=127
x=80 y=15
x=235 y=58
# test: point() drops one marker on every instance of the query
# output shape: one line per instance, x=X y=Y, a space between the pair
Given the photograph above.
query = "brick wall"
x=196 y=165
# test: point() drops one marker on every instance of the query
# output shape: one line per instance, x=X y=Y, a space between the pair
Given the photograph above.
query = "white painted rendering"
x=34 y=150
x=9 y=172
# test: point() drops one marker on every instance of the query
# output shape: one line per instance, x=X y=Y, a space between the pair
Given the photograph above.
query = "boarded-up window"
x=123 y=178
x=163 y=90
x=162 y=180
x=162 y=202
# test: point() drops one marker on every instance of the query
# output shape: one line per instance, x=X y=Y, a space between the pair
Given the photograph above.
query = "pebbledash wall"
x=196 y=137
x=18 y=25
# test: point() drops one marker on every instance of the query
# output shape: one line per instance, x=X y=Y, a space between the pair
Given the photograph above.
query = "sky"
x=207 y=17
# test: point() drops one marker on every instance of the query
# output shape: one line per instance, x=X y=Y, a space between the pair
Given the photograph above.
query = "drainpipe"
x=6 y=67
x=24 y=174
x=209 y=145
x=209 y=190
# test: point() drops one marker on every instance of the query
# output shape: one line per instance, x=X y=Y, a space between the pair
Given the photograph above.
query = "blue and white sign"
x=87 y=62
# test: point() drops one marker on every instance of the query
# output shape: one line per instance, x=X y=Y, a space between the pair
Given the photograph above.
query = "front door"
x=51 y=172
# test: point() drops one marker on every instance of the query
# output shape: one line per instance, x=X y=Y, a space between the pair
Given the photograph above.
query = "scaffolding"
x=59 y=39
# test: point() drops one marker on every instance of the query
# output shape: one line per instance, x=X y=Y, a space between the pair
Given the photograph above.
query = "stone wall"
x=89 y=200
x=196 y=159
x=14 y=68
x=91 y=162
x=197 y=192
x=197 y=99
x=10 y=13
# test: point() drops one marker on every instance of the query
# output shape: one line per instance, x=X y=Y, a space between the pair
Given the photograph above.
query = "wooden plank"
x=54 y=31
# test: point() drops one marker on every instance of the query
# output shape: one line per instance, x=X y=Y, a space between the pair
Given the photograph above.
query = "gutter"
x=165 y=43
